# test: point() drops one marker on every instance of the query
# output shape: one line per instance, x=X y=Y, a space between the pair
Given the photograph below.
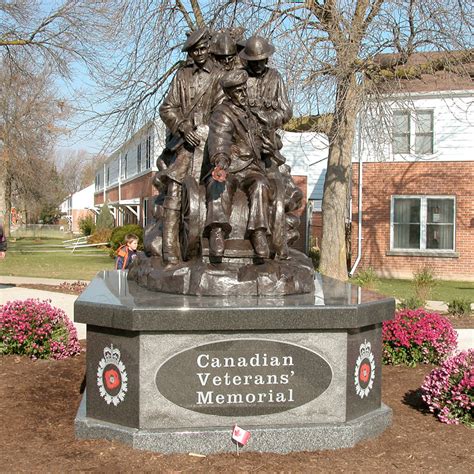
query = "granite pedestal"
x=174 y=373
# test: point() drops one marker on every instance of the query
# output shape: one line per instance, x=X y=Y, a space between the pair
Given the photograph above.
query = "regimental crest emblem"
x=112 y=378
x=364 y=373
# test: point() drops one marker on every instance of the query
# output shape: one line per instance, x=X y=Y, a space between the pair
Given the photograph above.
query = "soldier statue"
x=267 y=95
x=224 y=51
x=193 y=94
x=237 y=153
x=225 y=213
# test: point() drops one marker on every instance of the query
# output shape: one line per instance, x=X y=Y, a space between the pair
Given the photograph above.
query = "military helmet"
x=234 y=78
x=257 y=48
x=194 y=38
x=223 y=45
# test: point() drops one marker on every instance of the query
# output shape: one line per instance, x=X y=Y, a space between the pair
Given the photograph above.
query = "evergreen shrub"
x=459 y=306
x=105 y=219
x=87 y=225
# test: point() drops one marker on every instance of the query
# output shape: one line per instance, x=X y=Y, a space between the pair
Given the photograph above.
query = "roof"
x=426 y=71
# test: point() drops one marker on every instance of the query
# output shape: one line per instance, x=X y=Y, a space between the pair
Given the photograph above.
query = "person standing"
x=193 y=94
x=3 y=243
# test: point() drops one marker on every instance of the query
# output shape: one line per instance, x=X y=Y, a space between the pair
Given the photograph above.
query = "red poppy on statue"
x=240 y=435
x=219 y=174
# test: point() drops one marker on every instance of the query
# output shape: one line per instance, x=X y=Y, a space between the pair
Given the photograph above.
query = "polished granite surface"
x=113 y=301
x=112 y=287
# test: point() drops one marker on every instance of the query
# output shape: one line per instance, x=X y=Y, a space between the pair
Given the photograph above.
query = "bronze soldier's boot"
x=216 y=242
x=171 y=253
x=260 y=243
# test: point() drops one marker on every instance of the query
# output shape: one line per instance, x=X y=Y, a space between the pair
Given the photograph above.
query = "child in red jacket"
x=127 y=252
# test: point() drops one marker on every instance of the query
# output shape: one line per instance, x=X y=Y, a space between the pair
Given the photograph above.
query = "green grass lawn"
x=443 y=291
x=47 y=258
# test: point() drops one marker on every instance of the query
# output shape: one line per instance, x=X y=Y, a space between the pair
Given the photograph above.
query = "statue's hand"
x=267 y=145
x=192 y=138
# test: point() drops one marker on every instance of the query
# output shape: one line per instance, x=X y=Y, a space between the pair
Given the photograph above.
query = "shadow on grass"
x=413 y=399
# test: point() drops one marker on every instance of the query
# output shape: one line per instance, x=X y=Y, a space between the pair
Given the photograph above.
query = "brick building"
x=124 y=181
x=417 y=207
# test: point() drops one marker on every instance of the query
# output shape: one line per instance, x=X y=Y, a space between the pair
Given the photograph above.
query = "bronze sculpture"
x=236 y=148
x=225 y=217
x=187 y=106
x=224 y=50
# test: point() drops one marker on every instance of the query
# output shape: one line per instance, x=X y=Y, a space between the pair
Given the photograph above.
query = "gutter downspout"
x=117 y=209
x=359 y=210
x=104 y=182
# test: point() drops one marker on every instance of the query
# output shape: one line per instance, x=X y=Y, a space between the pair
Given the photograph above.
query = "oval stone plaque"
x=243 y=377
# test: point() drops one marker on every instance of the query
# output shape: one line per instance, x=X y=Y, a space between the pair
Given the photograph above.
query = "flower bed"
x=37 y=329
x=415 y=336
x=449 y=389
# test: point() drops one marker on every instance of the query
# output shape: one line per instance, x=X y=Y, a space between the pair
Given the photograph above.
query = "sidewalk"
x=66 y=303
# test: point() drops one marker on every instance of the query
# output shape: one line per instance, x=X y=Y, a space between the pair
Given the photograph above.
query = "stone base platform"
x=276 y=439
x=174 y=373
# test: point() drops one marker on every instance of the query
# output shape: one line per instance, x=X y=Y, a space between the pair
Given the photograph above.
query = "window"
x=148 y=153
x=125 y=166
x=139 y=158
x=422 y=223
x=107 y=179
x=98 y=181
x=412 y=132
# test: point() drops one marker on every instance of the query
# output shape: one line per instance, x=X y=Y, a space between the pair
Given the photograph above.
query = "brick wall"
x=77 y=216
x=301 y=182
x=380 y=182
x=317 y=228
x=140 y=187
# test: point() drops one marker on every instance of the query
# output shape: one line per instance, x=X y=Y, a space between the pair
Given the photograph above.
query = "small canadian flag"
x=240 y=435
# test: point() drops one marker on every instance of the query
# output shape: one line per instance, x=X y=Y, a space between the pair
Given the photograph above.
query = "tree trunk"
x=8 y=204
x=337 y=184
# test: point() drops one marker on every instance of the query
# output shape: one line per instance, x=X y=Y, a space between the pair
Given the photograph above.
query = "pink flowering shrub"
x=37 y=329
x=449 y=389
x=417 y=336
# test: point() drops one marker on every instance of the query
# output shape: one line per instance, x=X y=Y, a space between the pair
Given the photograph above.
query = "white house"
x=415 y=174
x=77 y=206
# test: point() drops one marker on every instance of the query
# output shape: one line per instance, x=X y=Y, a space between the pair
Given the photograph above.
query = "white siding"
x=130 y=149
x=306 y=154
x=84 y=198
x=453 y=128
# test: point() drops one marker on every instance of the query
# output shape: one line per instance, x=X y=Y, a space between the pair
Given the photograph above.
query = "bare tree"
x=39 y=43
x=150 y=36
x=76 y=169
x=29 y=113
x=336 y=63
x=68 y=31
